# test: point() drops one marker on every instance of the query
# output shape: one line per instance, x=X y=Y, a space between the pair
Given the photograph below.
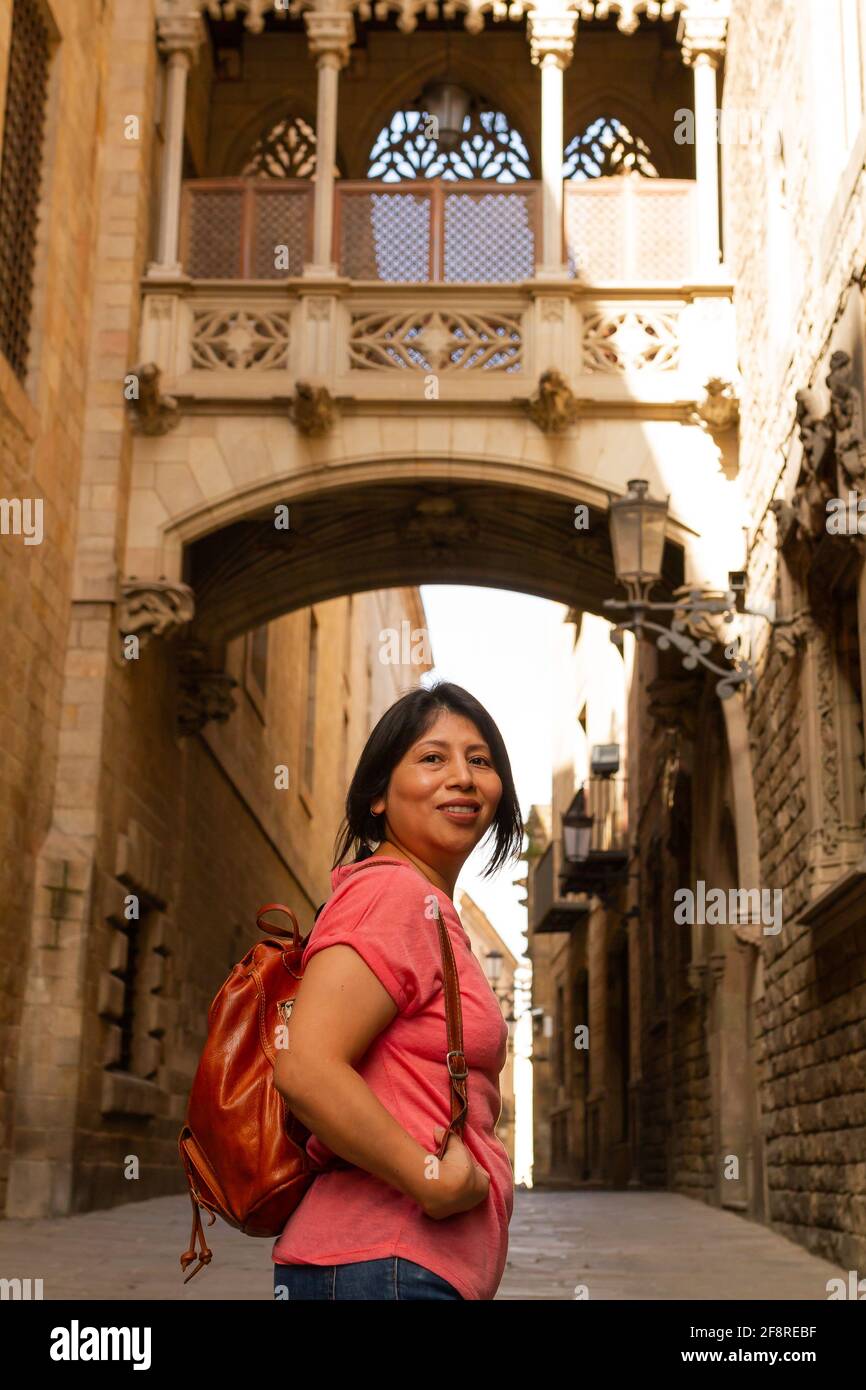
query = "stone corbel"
x=154 y=608
x=155 y=414
x=313 y=410
x=719 y=411
x=205 y=693
x=554 y=406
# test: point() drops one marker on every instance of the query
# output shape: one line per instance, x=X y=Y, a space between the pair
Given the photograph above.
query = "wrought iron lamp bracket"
x=694 y=650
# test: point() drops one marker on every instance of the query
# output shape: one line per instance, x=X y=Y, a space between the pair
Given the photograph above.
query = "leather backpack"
x=242 y=1149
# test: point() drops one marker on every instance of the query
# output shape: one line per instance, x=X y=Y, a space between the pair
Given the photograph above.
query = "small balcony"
x=551 y=910
x=439 y=277
x=595 y=841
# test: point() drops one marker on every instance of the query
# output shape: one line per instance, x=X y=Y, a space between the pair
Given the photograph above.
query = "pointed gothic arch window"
x=286 y=150
x=607 y=147
x=491 y=148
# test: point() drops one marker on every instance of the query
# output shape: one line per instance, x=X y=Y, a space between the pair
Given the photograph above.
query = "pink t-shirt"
x=349 y=1215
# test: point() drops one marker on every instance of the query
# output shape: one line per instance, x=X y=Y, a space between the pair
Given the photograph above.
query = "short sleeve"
x=386 y=915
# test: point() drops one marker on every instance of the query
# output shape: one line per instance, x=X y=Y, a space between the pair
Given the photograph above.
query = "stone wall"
x=41 y=431
x=795 y=241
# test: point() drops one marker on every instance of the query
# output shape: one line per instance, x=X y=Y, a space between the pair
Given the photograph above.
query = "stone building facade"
x=149 y=808
x=746 y=1031
x=278 y=338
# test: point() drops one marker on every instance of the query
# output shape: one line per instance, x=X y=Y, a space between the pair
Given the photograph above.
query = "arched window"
x=286 y=150
x=606 y=147
x=490 y=149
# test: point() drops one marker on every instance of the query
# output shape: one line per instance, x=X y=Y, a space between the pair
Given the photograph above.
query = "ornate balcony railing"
x=632 y=230
x=246 y=229
x=625 y=230
x=438 y=231
x=378 y=342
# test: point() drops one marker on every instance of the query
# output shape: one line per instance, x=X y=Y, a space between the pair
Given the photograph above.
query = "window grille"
x=20 y=177
x=286 y=151
x=607 y=147
x=490 y=149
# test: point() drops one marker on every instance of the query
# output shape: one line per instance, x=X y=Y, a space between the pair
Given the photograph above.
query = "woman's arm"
x=340 y=1008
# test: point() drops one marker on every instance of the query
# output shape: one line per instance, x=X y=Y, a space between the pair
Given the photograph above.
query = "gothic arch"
x=470 y=72
x=607 y=102
x=230 y=161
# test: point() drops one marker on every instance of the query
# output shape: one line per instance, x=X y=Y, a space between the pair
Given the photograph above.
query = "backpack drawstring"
x=197 y=1233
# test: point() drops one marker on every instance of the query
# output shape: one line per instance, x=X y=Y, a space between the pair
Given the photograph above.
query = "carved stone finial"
x=154 y=608
x=155 y=413
x=554 y=406
x=314 y=410
x=720 y=408
x=204 y=694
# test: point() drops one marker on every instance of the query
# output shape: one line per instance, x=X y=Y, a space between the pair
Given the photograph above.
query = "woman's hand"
x=460 y=1184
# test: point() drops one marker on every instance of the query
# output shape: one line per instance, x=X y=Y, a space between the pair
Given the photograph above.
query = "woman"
x=365 y=1066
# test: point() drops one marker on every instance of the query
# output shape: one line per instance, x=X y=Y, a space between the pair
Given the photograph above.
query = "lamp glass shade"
x=448 y=103
x=576 y=830
x=576 y=840
x=637 y=534
x=494 y=966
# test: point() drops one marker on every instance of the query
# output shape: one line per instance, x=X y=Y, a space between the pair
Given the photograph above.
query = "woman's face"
x=444 y=792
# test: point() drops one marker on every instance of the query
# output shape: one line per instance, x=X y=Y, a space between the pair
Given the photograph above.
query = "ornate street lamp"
x=494 y=967
x=576 y=830
x=637 y=533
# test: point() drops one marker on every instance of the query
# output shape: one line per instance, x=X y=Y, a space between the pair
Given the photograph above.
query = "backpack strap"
x=455 y=1060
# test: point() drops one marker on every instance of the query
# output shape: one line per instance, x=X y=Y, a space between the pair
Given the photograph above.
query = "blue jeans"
x=390 y=1278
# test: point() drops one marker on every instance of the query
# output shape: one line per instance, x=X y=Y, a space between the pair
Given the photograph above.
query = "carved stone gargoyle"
x=554 y=406
x=833 y=469
x=204 y=692
x=154 y=608
x=313 y=410
x=155 y=413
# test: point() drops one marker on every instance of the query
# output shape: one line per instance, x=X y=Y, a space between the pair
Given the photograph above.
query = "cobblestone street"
x=620 y=1245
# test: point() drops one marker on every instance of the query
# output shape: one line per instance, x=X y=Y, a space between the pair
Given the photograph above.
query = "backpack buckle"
x=457 y=1075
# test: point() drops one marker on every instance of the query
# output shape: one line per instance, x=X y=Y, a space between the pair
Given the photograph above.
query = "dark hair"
x=401 y=726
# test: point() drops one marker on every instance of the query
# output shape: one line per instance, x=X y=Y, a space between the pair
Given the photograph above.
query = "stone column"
x=551 y=38
x=702 y=37
x=330 y=37
x=179 y=37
